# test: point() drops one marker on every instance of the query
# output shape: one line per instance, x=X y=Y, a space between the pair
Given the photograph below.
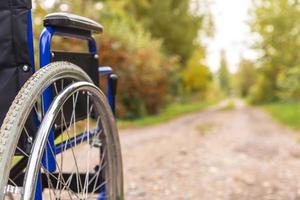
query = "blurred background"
x=156 y=47
x=174 y=56
x=231 y=67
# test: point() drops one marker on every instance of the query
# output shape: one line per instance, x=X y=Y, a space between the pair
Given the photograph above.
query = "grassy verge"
x=171 y=112
x=288 y=113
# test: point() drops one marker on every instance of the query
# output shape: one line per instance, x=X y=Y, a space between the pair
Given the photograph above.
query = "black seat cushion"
x=67 y=20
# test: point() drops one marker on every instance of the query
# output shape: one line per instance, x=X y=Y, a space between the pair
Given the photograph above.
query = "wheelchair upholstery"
x=14 y=50
x=71 y=21
x=13 y=33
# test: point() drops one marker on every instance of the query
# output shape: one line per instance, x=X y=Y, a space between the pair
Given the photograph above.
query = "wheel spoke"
x=60 y=171
x=23 y=152
x=100 y=169
x=88 y=141
x=80 y=136
x=59 y=181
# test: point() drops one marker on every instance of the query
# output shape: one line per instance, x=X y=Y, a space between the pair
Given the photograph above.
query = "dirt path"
x=240 y=154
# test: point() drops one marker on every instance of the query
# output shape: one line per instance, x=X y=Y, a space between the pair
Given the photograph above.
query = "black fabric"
x=8 y=4
x=13 y=37
x=14 y=50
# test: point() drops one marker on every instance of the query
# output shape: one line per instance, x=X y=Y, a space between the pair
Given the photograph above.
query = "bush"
x=262 y=91
x=143 y=70
x=196 y=76
x=289 y=85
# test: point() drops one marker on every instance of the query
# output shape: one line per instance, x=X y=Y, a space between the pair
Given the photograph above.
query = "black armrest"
x=71 y=21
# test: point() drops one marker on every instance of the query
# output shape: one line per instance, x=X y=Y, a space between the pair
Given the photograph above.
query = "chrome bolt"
x=52 y=54
x=25 y=68
x=30 y=140
x=96 y=56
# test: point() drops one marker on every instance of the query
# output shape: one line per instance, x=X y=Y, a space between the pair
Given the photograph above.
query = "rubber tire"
x=21 y=107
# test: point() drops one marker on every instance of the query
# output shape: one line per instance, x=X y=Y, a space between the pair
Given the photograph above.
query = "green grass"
x=286 y=113
x=171 y=112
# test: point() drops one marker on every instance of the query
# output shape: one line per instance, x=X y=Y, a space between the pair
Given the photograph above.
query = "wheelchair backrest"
x=16 y=63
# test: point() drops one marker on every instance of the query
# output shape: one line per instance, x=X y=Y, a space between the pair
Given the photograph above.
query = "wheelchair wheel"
x=85 y=160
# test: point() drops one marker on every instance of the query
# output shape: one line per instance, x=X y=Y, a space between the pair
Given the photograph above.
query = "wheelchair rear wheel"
x=84 y=162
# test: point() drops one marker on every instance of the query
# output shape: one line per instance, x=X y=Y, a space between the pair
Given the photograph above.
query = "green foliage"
x=172 y=21
x=214 y=92
x=289 y=84
x=223 y=74
x=262 y=90
x=275 y=22
x=196 y=76
x=147 y=42
x=286 y=113
x=155 y=75
x=245 y=77
x=141 y=66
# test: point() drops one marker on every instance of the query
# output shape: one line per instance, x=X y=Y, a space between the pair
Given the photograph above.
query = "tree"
x=223 y=74
x=172 y=21
x=245 y=77
x=196 y=76
x=289 y=84
x=143 y=41
x=275 y=22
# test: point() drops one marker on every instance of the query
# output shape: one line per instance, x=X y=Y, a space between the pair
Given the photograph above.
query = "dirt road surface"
x=238 y=154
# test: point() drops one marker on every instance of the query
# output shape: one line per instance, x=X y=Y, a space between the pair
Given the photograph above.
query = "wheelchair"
x=58 y=138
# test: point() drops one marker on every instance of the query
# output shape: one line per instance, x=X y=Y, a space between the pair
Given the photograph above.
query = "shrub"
x=196 y=76
x=289 y=85
x=262 y=91
x=143 y=70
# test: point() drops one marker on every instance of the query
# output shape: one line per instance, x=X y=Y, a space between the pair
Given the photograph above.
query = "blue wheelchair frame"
x=45 y=58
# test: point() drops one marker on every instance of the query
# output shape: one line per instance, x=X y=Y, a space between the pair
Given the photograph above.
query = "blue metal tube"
x=73 y=141
x=45 y=46
x=92 y=45
x=48 y=160
x=39 y=188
